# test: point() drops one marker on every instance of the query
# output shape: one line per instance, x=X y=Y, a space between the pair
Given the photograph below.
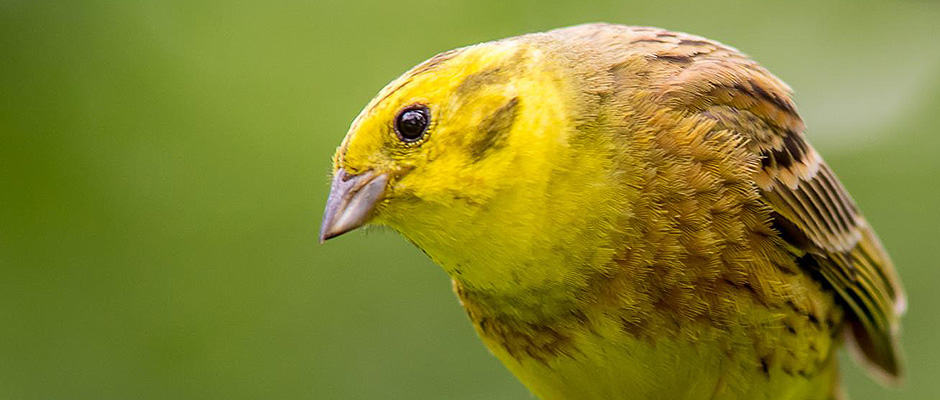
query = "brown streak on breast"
x=540 y=340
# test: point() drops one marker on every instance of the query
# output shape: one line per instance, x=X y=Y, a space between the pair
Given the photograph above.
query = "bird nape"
x=626 y=212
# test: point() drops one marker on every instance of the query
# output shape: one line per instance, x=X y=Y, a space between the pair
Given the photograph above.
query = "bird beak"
x=352 y=199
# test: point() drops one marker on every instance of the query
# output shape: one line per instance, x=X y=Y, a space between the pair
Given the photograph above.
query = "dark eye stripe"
x=494 y=129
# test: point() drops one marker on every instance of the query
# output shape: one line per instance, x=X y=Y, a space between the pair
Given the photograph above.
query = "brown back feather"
x=820 y=217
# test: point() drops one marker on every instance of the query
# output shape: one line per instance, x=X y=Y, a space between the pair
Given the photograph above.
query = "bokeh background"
x=163 y=167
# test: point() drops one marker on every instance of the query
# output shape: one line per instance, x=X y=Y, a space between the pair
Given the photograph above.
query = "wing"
x=813 y=211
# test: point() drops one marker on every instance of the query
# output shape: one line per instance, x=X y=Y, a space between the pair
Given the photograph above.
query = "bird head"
x=444 y=136
x=474 y=155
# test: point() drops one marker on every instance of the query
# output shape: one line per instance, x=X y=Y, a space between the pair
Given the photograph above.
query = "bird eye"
x=412 y=123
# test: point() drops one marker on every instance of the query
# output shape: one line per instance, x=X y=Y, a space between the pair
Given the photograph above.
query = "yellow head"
x=474 y=155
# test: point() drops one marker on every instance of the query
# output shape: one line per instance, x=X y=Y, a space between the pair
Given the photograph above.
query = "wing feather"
x=842 y=249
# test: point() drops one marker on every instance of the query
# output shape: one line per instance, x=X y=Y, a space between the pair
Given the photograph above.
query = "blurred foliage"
x=163 y=166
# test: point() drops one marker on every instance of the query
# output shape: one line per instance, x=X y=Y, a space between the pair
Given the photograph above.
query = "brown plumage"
x=812 y=210
x=627 y=212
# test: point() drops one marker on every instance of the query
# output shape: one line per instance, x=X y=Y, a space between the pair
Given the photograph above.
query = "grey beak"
x=352 y=199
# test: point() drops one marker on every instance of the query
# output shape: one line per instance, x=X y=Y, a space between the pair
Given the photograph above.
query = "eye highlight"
x=412 y=123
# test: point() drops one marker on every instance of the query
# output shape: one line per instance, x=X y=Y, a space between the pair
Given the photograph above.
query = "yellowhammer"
x=626 y=213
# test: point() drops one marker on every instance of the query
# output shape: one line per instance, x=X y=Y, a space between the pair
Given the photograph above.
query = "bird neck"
x=533 y=248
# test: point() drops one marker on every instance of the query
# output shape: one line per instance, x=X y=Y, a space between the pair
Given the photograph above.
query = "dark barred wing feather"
x=813 y=211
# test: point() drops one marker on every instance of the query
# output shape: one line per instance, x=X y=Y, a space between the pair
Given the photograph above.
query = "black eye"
x=412 y=123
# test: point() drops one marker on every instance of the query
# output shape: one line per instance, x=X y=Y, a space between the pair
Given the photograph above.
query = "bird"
x=626 y=212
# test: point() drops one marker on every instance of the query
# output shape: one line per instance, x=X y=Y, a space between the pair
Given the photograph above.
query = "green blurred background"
x=163 y=167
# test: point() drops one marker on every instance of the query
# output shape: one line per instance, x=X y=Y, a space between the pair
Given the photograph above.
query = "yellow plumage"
x=626 y=212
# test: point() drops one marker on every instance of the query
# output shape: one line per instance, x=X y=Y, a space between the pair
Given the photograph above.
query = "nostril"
x=343 y=175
